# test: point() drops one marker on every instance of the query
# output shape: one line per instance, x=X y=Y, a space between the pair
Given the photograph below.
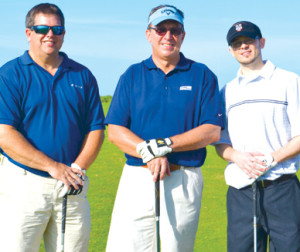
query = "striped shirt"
x=262 y=114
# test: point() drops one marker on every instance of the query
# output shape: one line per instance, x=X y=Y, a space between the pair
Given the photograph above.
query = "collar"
x=266 y=72
x=27 y=60
x=182 y=65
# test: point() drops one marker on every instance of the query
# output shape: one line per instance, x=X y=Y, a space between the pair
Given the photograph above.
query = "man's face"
x=45 y=45
x=247 y=50
x=165 y=45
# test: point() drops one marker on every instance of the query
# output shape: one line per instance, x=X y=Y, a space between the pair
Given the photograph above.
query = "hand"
x=250 y=163
x=159 y=168
x=71 y=190
x=268 y=161
x=153 y=148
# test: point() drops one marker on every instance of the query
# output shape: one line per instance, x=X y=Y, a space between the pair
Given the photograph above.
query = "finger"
x=168 y=170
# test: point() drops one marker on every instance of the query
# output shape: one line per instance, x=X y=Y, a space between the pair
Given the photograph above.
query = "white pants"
x=133 y=224
x=30 y=209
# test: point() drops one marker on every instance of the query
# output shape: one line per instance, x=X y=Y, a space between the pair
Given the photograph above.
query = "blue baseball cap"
x=163 y=14
x=243 y=28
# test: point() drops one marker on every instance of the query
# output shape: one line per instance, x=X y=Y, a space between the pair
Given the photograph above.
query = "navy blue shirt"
x=54 y=113
x=152 y=104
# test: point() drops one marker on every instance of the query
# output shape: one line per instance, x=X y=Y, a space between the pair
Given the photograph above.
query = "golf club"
x=254 y=186
x=63 y=222
x=157 y=212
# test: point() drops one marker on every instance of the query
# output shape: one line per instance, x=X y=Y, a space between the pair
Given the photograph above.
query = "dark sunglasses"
x=238 y=43
x=161 y=31
x=44 y=29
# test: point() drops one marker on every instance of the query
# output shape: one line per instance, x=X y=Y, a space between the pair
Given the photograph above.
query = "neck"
x=49 y=63
x=248 y=69
x=166 y=65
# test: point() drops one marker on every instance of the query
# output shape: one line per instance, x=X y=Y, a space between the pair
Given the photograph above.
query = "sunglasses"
x=44 y=29
x=238 y=43
x=161 y=31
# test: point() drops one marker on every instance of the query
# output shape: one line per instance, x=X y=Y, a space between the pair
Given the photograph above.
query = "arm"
x=90 y=148
x=124 y=138
x=291 y=149
x=19 y=149
x=196 y=138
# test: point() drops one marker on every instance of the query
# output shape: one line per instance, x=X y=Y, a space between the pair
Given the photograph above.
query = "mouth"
x=246 y=53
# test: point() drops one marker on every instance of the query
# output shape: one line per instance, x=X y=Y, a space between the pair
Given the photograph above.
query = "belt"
x=266 y=183
x=173 y=167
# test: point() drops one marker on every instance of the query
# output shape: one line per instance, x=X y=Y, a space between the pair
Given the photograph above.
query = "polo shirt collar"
x=266 y=72
x=27 y=60
x=183 y=63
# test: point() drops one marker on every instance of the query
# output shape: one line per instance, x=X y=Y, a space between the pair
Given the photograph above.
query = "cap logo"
x=168 y=11
x=238 y=27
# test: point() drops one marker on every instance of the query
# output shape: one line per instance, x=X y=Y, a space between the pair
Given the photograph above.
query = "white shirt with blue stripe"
x=262 y=114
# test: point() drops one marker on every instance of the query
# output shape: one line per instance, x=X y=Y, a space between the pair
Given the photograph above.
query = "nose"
x=50 y=33
x=244 y=45
x=168 y=35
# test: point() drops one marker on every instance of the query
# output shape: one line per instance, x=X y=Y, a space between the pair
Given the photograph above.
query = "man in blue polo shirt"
x=51 y=130
x=164 y=112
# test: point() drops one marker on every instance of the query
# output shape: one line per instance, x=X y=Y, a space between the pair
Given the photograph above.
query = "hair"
x=163 y=6
x=45 y=8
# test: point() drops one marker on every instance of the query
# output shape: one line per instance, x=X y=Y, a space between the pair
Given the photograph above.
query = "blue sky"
x=108 y=36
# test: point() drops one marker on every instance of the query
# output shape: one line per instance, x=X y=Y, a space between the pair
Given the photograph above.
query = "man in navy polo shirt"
x=164 y=112
x=51 y=130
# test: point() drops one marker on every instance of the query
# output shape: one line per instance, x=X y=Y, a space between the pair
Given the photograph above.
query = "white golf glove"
x=72 y=190
x=269 y=162
x=153 y=148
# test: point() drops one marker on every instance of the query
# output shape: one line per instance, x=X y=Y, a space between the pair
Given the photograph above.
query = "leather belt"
x=173 y=167
x=266 y=183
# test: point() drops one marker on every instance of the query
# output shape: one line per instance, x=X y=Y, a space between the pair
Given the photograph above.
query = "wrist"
x=76 y=166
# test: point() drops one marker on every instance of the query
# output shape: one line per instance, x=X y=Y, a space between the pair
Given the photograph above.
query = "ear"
x=262 y=43
x=28 y=33
x=148 y=35
x=183 y=36
x=231 y=51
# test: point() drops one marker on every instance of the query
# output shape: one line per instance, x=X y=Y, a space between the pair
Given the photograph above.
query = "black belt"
x=266 y=183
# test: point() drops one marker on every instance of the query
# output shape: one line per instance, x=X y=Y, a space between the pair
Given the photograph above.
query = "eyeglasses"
x=238 y=43
x=161 y=31
x=44 y=29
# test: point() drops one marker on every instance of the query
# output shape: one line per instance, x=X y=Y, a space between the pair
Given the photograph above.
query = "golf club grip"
x=157 y=200
x=64 y=213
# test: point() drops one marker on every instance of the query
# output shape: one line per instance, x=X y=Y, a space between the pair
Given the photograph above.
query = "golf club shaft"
x=254 y=217
x=63 y=222
x=157 y=212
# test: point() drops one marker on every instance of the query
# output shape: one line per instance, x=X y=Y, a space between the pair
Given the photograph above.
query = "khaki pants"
x=133 y=224
x=30 y=209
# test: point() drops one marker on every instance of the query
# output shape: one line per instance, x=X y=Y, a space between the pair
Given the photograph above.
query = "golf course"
x=104 y=177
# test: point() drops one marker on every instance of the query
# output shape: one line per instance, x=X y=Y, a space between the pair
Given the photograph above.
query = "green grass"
x=104 y=177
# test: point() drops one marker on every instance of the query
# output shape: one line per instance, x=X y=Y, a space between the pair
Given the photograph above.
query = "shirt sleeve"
x=95 y=114
x=10 y=99
x=211 y=112
x=293 y=110
x=224 y=138
x=119 y=110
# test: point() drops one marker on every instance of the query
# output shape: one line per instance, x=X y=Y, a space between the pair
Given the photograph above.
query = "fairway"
x=104 y=177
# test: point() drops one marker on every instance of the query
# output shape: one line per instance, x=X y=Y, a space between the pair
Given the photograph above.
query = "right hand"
x=249 y=163
x=159 y=168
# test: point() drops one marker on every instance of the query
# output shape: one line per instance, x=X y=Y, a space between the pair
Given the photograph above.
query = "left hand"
x=153 y=148
x=72 y=190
